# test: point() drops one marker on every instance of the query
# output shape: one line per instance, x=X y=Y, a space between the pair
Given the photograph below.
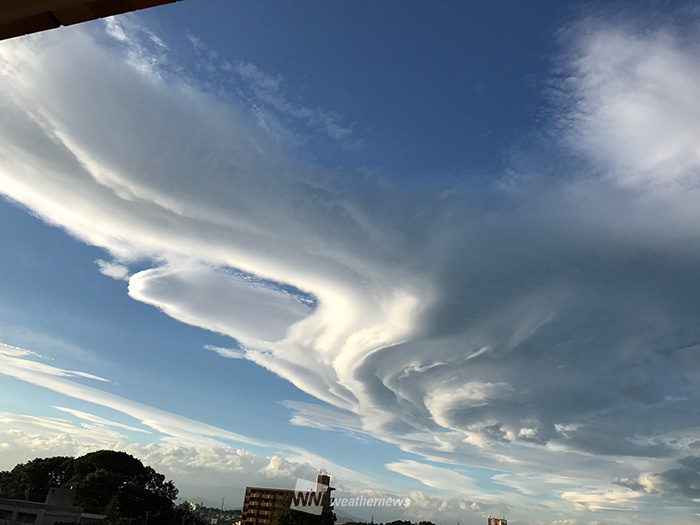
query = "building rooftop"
x=21 y=17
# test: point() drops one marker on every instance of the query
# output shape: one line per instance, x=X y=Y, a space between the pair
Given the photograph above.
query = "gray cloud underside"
x=542 y=322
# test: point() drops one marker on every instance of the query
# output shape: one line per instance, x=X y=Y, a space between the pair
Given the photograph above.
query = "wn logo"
x=310 y=496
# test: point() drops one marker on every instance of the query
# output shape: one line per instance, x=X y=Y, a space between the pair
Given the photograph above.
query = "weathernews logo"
x=313 y=497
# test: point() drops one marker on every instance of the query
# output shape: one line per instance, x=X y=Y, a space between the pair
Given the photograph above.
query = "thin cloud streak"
x=57 y=379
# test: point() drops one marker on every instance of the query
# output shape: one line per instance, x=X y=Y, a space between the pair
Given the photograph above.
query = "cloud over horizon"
x=536 y=322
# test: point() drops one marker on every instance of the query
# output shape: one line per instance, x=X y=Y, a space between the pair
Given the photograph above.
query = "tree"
x=186 y=516
x=105 y=482
x=296 y=517
x=32 y=480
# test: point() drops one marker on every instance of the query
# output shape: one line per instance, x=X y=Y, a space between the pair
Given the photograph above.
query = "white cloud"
x=436 y=477
x=597 y=499
x=24 y=437
x=193 y=467
x=100 y=420
x=636 y=105
x=536 y=485
x=114 y=270
x=198 y=469
x=220 y=301
x=323 y=417
x=54 y=348
x=229 y=353
x=183 y=447
x=13 y=357
x=272 y=108
x=450 y=397
x=268 y=90
x=518 y=325
x=176 y=428
x=425 y=507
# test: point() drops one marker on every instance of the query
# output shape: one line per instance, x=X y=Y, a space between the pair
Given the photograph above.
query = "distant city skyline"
x=447 y=251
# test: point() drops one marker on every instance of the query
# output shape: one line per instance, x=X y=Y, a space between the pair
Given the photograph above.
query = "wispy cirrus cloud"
x=21 y=364
x=271 y=107
x=99 y=420
x=433 y=476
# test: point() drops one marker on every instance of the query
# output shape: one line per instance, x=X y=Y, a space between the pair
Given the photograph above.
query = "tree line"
x=107 y=482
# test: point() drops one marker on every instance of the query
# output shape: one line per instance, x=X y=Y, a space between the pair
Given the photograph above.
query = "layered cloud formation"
x=542 y=322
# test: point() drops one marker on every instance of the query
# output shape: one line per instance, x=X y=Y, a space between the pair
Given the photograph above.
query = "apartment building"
x=260 y=504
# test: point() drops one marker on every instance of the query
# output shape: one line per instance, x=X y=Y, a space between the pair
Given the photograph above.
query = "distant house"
x=58 y=508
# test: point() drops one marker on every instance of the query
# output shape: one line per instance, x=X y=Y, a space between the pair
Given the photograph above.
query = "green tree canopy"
x=33 y=480
x=105 y=482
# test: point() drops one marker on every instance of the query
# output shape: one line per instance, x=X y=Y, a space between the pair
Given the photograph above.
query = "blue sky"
x=449 y=251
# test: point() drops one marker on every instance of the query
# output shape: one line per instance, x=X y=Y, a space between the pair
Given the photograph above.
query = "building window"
x=26 y=517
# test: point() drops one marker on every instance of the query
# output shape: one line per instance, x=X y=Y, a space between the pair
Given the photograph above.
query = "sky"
x=447 y=251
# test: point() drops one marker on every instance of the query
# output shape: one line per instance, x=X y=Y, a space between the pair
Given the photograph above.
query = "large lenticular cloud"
x=491 y=324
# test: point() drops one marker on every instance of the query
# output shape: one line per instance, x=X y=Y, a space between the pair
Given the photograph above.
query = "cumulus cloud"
x=425 y=506
x=541 y=322
x=200 y=470
x=221 y=466
x=196 y=468
x=114 y=270
x=24 y=437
